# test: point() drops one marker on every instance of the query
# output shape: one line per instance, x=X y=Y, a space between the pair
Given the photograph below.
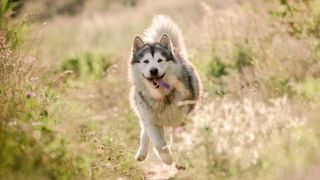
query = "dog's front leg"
x=143 y=151
x=157 y=136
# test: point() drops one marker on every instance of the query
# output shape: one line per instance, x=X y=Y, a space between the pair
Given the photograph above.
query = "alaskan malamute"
x=165 y=86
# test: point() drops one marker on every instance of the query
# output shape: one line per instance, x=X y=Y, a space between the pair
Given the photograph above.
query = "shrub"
x=88 y=65
x=29 y=146
x=216 y=67
x=242 y=57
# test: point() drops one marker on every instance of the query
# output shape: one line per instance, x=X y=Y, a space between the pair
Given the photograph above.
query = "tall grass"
x=34 y=143
x=29 y=146
x=249 y=138
x=264 y=66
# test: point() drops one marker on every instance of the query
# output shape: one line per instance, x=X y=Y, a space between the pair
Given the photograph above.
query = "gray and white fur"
x=164 y=84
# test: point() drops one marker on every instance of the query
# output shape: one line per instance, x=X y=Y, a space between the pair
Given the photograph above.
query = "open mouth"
x=158 y=82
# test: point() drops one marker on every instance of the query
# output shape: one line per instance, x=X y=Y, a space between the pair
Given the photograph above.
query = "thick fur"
x=162 y=48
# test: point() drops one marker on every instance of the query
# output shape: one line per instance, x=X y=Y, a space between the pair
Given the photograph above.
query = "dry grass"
x=236 y=138
x=29 y=146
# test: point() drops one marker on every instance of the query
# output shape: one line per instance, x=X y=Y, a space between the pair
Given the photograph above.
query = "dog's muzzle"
x=158 y=82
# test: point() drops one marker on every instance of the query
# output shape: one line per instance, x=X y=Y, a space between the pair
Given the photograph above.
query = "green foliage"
x=301 y=17
x=309 y=89
x=217 y=68
x=129 y=3
x=6 y=7
x=220 y=69
x=242 y=57
x=14 y=32
x=15 y=37
x=88 y=65
x=29 y=145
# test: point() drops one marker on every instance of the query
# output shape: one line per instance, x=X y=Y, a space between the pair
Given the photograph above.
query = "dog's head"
x=152 y=60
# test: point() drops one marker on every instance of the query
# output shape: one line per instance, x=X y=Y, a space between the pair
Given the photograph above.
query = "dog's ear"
x=165 y=41
x=137 y=44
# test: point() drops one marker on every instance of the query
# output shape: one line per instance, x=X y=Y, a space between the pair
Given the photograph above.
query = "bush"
x=217 y=68
x=242 y=57
x=220 y=70
x=88 y=65
x=29 y=146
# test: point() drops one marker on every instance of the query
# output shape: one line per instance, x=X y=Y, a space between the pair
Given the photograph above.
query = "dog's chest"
x=171 y=115
x=166 y=111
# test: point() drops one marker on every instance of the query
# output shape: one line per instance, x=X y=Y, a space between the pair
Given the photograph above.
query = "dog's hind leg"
x=143 y=151
x=157 y=136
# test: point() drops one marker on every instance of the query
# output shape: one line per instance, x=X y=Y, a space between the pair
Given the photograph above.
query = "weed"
x=242 y=57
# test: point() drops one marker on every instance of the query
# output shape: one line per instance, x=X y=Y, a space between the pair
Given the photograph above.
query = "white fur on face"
x=162 y=66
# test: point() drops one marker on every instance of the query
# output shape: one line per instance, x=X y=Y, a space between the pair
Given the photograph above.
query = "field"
x=64 y=108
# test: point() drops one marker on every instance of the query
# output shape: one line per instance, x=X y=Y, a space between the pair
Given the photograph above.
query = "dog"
x=164 y=85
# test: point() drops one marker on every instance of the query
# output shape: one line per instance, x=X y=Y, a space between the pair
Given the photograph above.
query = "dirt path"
x=312 y=174
x=155 y=169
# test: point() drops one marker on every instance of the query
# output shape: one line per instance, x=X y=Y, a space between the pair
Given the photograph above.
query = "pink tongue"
x=162 y=83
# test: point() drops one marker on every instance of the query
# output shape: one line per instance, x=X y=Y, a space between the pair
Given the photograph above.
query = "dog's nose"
x=154 y=72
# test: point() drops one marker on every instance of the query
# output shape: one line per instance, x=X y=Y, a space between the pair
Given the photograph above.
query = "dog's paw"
x=180 y=167
x=141 y=155
x=165 y=156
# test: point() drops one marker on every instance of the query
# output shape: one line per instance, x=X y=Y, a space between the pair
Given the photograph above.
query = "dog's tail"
x=164 y=25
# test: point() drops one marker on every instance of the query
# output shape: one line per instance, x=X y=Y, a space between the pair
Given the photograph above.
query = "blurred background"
x=64 y=110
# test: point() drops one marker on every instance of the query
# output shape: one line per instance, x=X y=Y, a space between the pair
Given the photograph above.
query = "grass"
x=244 y=132
x=88 y=65
x=28 y=144
x=47 y=136
x=64 y=109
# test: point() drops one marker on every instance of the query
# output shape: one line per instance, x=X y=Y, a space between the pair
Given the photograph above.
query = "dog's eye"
x=146 y=61
x=159 y=60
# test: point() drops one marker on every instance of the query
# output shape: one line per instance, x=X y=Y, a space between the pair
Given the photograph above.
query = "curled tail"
x=164 y=25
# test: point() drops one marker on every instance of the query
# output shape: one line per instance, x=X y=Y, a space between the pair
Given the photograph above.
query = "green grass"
x=106 y=153
x=309 y=89
x=89 y=65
